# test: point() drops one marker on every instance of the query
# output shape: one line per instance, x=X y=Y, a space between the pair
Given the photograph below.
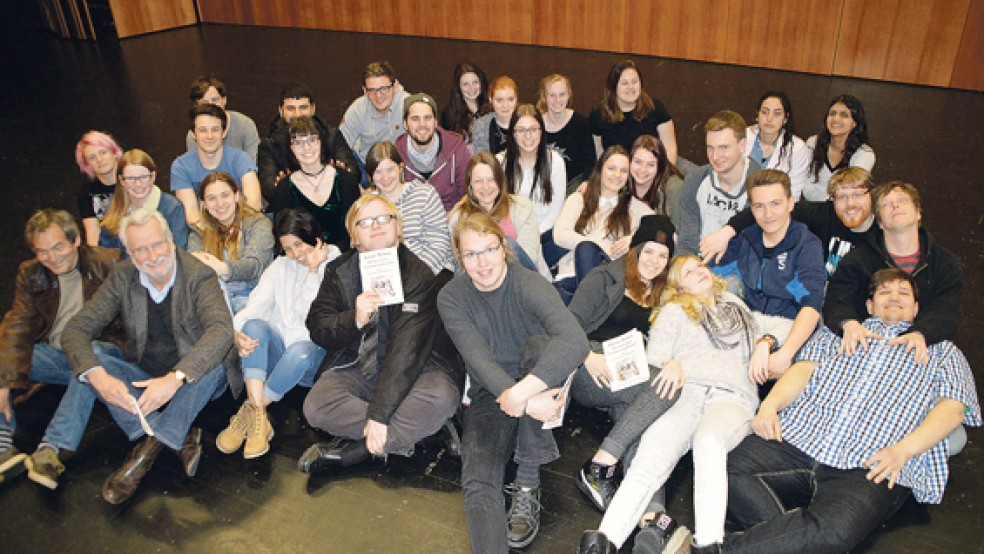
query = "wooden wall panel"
x=693 y=30
x=799 y=36
x=137 y=17
x=968 y=71
x=913 y=41
x=581 y=24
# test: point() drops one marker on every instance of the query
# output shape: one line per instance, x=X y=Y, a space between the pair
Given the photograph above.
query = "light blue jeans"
x=280 y=368
x=49 y=365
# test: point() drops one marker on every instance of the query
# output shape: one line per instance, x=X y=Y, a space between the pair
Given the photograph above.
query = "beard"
x=418 y=142
x=159 y=269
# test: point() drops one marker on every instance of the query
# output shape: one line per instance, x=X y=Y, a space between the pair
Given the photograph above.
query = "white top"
x=566 y=237
x=795 y=162
x=283 y=297
x=546 y=214
x=816 y=189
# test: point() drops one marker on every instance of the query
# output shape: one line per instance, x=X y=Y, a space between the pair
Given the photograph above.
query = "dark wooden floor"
x=52 y=91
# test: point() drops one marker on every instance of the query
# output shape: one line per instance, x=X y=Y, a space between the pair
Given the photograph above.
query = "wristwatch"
x=180 y=376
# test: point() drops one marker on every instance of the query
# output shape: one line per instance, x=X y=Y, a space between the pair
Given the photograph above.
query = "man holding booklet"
x=178 y=352
x=392 y=376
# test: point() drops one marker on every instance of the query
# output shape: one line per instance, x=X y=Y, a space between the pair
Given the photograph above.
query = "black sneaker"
x=662 y=535
x=523 y=519
x=335 y=453
x=595 y=542
x=599 y=483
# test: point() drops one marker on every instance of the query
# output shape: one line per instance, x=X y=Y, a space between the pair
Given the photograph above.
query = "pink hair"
x=95 y=138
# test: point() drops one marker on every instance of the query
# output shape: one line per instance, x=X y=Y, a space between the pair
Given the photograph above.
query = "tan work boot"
x=231 y=438
x=259 y=435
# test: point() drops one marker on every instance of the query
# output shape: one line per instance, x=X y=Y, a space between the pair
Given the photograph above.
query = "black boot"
x=335 y=453
x=595 y=542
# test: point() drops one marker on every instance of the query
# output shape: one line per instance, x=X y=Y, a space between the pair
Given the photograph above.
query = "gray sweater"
x=490 y=328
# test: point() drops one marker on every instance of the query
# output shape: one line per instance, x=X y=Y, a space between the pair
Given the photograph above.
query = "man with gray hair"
x=178 y=349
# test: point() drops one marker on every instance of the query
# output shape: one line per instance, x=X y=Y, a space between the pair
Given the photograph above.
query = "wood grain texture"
x=968 y=70
x=798 y=36
x=137 y=17
x=913 y=41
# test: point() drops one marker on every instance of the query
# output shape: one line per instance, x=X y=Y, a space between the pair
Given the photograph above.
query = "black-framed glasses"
x=136 y=179
x=473 y=256
x=378 y=90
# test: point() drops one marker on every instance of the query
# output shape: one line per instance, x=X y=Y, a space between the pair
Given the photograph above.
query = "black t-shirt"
x=94 y=198
x=575 y=145
x=628 y=130
x=627 y=316
x=497 y=137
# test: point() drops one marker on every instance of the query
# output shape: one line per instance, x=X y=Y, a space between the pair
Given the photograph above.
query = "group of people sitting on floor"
x=797 y=318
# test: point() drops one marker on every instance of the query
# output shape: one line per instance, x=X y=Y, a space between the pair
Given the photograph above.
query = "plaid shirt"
x=853 y=406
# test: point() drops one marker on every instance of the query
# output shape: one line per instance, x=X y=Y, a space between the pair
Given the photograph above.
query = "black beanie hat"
x=655 y=228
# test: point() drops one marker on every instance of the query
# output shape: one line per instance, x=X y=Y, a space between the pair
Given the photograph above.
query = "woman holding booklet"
x=712 y=350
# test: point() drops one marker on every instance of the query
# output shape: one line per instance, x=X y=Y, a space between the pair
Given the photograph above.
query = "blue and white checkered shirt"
x=853 y=406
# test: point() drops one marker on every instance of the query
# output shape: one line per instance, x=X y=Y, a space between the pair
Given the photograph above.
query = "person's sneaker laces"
x=523 y=520
x=599 y=483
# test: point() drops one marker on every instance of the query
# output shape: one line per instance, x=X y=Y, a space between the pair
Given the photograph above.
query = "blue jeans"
x=551 y=252
x=281 y=369
x=844 y=507
x=522 y=256
x=587 y=256
x=172 y=421
x=49 y=365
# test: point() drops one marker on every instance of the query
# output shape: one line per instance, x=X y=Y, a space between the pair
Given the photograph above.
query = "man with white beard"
x=178 y=348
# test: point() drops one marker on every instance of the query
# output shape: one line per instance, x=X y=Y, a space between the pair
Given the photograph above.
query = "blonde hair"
x=849 y=177
x=692 y=304
x=217 y=239
x=482 y=224
x=353 y=214
x=546 y=83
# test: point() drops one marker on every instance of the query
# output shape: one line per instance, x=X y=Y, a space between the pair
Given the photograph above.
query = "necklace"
x=316 y=173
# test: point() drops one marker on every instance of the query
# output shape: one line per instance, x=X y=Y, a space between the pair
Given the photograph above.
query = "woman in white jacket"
x=271 y=336
x=773 y=143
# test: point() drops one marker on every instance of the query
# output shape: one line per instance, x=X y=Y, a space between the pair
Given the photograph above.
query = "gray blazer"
x=201 y=322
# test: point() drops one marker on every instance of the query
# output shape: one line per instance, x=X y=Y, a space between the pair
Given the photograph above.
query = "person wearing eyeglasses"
x=842 y=221
x=48 y=291
x=296 y=100
x=537 y=172
x=178 y=351
x=378 y=114
x=314 y=183
x=392 y=377
x=431 y=154
x=519 y=343
x=135 y=189
x=900 y=241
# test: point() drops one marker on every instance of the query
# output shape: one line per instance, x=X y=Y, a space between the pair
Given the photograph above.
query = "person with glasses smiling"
x=519 y=343
x=842 y=221
x=900 y=241
x=49 y=290
x=178 y=352
x=314 y=183
x=393 y=376
x=135 y=189
x=378 y=115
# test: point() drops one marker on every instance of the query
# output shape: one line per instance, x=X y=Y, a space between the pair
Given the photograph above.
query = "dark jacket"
x=271 y=158
x=598 y=295
x=448 y=177
x=793 y=278
x=939 y=278
x=200 y=321
x=411 y=335
x=36 y=300
x=835 y=237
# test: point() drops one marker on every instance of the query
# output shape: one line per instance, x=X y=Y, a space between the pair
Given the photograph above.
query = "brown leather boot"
x=123 y=482
x=191 y=451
